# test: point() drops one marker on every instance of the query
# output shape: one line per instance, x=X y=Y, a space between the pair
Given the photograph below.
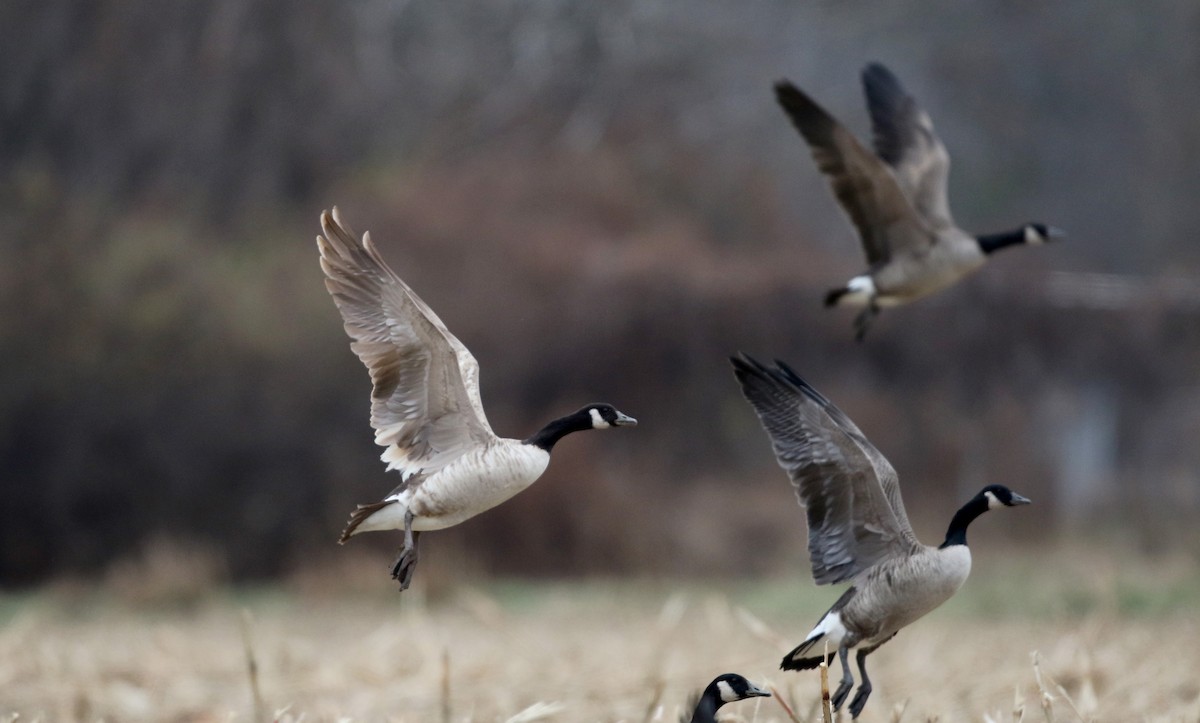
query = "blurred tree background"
x=603 y=202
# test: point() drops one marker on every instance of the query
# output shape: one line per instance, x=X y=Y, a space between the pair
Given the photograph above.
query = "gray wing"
x=864 y=185
x=425 y=404
x=904 y=138
x=849 y=490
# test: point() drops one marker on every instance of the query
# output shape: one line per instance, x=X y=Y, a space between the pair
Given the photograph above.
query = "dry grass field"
x=1114 y=642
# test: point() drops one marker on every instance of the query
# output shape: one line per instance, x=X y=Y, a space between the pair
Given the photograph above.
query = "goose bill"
x=624 y=420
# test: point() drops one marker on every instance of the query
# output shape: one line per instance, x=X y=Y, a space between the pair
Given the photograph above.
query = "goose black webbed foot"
x=406 y=563
x=860 y=699
x=839 y=695
x=864 y=689
x=862 y=322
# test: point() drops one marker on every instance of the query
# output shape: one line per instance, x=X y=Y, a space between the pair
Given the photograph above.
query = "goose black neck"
x=706 y=709
x=957 y=532
x=549 y=435
x=993 y=242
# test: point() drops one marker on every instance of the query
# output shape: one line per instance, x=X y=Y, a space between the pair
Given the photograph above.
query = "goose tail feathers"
x=359 y=516
x=795 y=661
x=835 y=295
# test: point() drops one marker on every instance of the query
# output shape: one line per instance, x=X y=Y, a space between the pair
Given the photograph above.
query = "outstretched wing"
x=904 y=138
x=863 y=184
x=425 y=404
x=850 y=491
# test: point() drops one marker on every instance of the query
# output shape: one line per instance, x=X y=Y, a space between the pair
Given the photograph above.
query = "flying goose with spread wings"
x=895 y=198
x=425 y=404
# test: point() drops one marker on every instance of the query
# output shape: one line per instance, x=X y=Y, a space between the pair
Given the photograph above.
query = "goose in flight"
x=858 y=530
x=895 y=198
x=425 y=405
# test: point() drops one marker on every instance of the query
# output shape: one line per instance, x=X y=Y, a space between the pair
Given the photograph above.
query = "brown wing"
x=863 y=184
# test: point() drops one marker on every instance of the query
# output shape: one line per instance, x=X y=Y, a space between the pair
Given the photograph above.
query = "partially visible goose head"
x=998 y=496
x=1040 y=233
x=727 y=688
x=1031 y=234
x=592 y=416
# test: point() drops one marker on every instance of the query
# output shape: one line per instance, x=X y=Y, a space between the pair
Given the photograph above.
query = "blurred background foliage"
x=603 y=202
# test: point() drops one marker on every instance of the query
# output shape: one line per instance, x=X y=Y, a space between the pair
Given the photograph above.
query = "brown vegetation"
x=603 y=203
x=600 y=651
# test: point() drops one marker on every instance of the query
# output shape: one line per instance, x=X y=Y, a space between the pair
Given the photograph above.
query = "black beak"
x=755 y=692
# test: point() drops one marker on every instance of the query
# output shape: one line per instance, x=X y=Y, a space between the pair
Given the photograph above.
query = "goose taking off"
x=857 y=528
x=727 y=688
x=895 y=197
x=425 y=404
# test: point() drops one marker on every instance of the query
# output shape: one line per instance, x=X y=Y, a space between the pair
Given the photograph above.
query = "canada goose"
x=857 y=527
x=895 y=197
x=727 y=688
x=425 y=404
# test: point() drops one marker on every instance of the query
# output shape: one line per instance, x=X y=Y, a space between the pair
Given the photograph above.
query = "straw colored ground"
x=1117 y=641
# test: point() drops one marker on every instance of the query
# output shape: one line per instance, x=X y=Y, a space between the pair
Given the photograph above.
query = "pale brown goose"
x=858 y=530
x=895 y=197
x=425 y=404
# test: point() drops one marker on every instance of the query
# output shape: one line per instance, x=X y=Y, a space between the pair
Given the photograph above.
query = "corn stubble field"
x=1097 y=641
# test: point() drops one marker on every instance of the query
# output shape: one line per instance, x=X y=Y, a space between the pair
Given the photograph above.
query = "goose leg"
x=864 y=688
x=406 y=563
x=843 y=689
x=863 y=321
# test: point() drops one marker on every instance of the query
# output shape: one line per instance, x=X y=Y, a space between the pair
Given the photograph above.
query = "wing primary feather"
x=903 y=136
x=891 y=109
x=847 y=488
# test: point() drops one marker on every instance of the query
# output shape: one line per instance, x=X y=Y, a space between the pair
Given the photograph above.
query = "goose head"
x=731 y=687
x=1040 y=233
x=603 y=416
x=998 y=496
x=726 y=688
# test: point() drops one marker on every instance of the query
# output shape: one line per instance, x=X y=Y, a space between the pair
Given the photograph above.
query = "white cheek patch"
x=598 y=421
x=727 y=693
x=993 y=500
x=1032 y=236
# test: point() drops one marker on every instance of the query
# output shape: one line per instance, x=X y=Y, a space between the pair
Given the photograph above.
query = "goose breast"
x=473 y=483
